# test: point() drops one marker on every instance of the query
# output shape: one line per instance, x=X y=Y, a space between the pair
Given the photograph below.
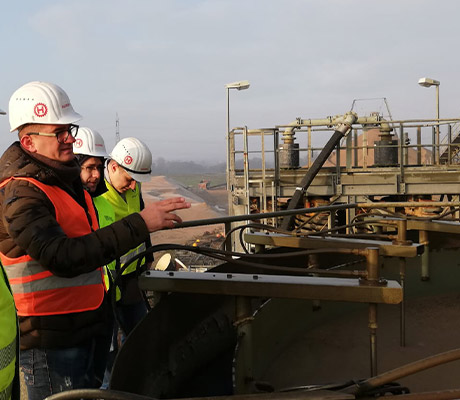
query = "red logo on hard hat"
x=128 y=160
x=78 y=143
x=40 y=110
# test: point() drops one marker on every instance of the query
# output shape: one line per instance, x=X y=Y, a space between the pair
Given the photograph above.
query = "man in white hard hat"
x=9 y=339
x=51 y=247
x=129 y=164
x=90 y=152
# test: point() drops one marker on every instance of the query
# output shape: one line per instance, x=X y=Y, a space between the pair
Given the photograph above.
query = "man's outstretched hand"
x=159 y=214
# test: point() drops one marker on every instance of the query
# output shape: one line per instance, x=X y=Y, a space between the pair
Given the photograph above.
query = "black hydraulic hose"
x=296 y=200
x=96 y=394
x=241 y=258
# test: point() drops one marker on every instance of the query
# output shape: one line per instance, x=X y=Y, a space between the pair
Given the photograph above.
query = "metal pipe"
x=409 y=204
x=235 y=218
x=373 y=337
x=406 y=148
x=362 y=120
x=402 y=232
x=246 y=168
x=264 y=185
x=355 y=148
x=372 y=264
x=340 y=131
x=402 y=306
x=348 y=149
x=438 y=141
x=419 y=143
x=423 y=239
x=332 y=121
x=449 y=144
x=401 y=156
x=96 y=394
x=364 y=148
x=337 y=163
x=337 y=273
x=406 y=370
x=228 y=137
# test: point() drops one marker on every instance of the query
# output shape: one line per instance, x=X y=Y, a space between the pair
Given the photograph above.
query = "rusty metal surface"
x=434 y=226
x=291 y=287
x=386 y=248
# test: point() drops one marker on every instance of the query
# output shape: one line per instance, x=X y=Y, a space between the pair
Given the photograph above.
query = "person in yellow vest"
x=90 y=152
x=9 y=342
x=51 y=246
x=129 y=164
x=9 y=339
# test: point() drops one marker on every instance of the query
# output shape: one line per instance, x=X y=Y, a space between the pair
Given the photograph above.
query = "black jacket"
x=28 y=226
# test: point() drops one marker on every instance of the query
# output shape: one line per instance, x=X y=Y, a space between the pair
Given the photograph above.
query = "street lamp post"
x=428 y=82
x=240 y=85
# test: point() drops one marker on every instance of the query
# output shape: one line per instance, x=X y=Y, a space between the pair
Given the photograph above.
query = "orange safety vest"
x=35 y=289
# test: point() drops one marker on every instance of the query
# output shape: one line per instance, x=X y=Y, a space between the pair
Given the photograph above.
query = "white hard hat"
x=89 y=142
x=135 y=157
x=40 y=103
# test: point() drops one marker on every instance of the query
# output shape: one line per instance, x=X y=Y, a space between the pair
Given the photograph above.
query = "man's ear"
x=113 y=166
x=28 y=144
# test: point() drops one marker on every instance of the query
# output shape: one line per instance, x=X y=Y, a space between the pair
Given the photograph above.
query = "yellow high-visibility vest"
x=122 y=208
x=106 y=216
x=8 y=338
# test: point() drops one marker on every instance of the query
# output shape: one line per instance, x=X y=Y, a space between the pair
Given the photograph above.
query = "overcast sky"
x=163 y=65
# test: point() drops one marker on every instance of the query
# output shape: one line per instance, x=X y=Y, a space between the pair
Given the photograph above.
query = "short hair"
x=25 y=129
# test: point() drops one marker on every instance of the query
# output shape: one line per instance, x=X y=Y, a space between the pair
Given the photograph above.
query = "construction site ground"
x=205 y=204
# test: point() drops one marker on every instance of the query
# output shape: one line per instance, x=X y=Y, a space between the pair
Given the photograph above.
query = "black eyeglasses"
x=61 y=136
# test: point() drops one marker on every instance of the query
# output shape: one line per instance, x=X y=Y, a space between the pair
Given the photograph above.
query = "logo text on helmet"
x=78 y=143
x=128 y=160
x=40 y=110
x=65 y=105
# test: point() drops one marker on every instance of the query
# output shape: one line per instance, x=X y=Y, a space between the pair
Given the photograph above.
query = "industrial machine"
x=340 y=263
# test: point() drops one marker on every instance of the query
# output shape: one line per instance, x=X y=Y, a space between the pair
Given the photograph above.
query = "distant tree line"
x=160 y=166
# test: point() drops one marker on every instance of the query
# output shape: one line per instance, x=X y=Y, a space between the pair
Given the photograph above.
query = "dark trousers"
x=50 y=371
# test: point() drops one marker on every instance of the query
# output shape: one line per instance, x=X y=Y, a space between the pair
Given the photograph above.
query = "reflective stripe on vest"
x=8 y=337
x=6 y=393
x=36 y=290
x=123 y=208
x=7 y=369
x=133 y=253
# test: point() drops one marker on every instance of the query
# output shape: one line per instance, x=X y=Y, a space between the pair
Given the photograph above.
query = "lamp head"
x=427 y=82
x=240 y=85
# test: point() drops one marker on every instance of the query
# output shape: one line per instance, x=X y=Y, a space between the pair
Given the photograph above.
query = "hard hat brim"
x=139 y=177
x=68 y=119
